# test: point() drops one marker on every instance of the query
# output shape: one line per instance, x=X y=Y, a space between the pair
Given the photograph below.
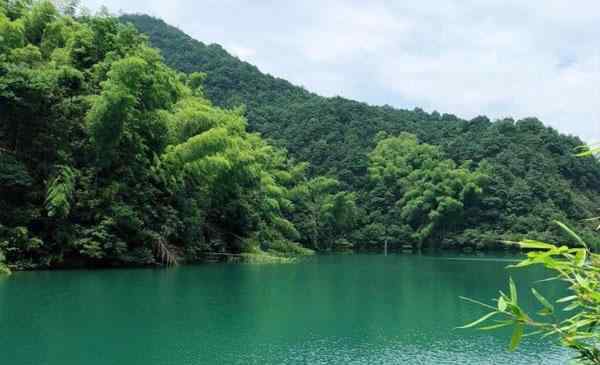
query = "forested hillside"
x=531 y=173
x=109 y=157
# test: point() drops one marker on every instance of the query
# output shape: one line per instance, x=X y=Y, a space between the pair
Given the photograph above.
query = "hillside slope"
x=535 y=177
x=109 y=157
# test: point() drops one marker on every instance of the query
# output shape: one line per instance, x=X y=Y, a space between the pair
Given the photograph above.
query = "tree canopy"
x=108 y=156
x=415 y=194
x=532 y=174
x=115 y=152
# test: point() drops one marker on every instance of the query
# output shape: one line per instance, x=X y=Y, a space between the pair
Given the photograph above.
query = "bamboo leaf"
x=572 y=234
x=480 y=320
x=516 y=337
x=501 y=304
x=532 y=244
x=523 y=263
x=548 y=279
x=593 y=219
x=496 y=326
x=478 y=303
x=588 y=151
x=513 y=290
x=571 y=306
x=580 y=257
x=543 y=301
x=567 y=299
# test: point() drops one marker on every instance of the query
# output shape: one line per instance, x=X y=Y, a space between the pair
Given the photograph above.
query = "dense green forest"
x=521 y=175
x=110 y=156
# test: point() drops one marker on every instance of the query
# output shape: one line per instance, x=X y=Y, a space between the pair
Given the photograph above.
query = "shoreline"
x=258 y=259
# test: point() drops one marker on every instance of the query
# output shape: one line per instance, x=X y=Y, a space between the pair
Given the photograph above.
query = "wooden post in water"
x=385 y=248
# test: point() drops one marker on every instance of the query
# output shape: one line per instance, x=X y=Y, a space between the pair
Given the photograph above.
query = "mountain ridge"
x=138 y=20
x=534 y=167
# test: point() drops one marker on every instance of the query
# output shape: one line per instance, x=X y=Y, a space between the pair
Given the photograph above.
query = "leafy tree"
x=324 y=214
x=12 y=34
x=424 y=194
x=38 y=16
x=109 y=157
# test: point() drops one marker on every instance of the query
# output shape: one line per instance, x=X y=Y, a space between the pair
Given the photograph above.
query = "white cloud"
x=244 y=53
x=499 y=57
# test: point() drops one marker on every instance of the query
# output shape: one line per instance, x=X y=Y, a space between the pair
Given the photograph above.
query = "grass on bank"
x=278 y=253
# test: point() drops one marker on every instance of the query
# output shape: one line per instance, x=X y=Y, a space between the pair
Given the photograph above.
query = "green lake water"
x=338 y=309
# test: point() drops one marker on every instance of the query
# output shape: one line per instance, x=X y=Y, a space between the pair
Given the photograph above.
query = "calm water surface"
x=340 y=309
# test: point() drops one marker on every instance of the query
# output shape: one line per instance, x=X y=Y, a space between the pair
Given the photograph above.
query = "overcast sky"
x=495 y=57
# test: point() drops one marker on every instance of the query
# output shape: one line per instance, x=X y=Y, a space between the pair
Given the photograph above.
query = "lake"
x=334 y=309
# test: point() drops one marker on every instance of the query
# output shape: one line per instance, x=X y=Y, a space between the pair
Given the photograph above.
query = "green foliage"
x=533 y=176
x=56 y=35
x=107 y=118
x=110 y=157
x=416 y=194
x=60 y=193
x=37 y=18
x=265 y=258
x=579 y=269
x=13 y=173
x=12 y=34
x=4 y=270
x=323 y=213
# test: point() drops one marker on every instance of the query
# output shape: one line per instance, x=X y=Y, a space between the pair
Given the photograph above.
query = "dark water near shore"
x=338 y=309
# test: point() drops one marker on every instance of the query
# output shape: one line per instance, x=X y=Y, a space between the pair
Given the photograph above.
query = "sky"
x=500 y=58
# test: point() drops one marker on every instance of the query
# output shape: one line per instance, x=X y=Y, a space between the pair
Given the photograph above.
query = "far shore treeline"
x=113 y=152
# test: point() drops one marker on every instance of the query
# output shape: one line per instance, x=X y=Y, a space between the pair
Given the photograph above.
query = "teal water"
x=339 y=309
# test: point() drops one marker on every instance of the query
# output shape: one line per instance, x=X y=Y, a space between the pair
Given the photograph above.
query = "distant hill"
x=536 y=177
